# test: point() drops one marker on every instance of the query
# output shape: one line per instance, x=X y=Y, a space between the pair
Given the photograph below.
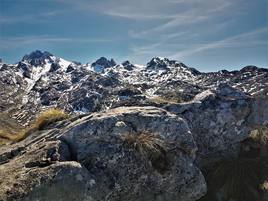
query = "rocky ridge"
x=43 y=80
x=121 y=144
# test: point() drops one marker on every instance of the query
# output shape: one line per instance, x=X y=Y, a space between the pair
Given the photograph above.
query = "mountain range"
x=106 y=131
x=42 y=80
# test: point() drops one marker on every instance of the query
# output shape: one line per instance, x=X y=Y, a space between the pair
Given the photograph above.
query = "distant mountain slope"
x=43 y=80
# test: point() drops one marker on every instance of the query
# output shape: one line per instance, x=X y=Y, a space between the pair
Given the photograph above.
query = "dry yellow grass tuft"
x=265 y=186
x=260 y=135
x=43 y=120
x=151 y=146
x=48 y=117
x=7 y=136
x=144 y=142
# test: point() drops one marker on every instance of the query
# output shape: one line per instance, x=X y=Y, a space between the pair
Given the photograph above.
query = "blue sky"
x=206 y=34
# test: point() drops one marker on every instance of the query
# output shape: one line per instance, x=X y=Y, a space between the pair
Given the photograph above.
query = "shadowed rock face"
x=259 y=113
x=90 y=156
x=220 y=119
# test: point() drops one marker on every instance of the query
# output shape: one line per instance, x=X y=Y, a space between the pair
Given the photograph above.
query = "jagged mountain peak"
x=127 y=65
x=103 y=61
x=37 y=54
x=39 y=63
x=127 y=62
x=163 y=63
x=38 y=58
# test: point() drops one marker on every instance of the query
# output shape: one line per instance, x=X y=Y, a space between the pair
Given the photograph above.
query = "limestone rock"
x=89 y=160
x=218 y=120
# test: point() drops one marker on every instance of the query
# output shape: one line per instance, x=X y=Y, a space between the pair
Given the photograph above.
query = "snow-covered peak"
x=63 y=63
x=38 y=58
x=127 y=65
x=101 y=64
x=39 y=64
x=103 y=61
x=159 y=63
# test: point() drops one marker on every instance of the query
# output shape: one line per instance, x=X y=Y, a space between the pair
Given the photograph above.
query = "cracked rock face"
x=220 y=119
x=89 y=160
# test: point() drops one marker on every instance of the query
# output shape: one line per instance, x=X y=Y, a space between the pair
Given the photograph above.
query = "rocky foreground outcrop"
x=88 y=157
x=89 y=160
x=219 y=120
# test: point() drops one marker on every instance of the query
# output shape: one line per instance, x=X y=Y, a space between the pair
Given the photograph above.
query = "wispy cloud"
x=249 y=39
x=9 y=42
x=164 y=15
x=175 y=22
x=154 y=47
x=145 y=28
x=149 y=9
x=161 y=17
x=169 y=47
x=29 y=18
x=196 y=26
x=192 y=14
x=135 y=10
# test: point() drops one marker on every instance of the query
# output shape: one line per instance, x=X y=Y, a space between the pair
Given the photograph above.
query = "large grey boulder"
x=88 y=159
x=219 y=120
x=32 y=170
